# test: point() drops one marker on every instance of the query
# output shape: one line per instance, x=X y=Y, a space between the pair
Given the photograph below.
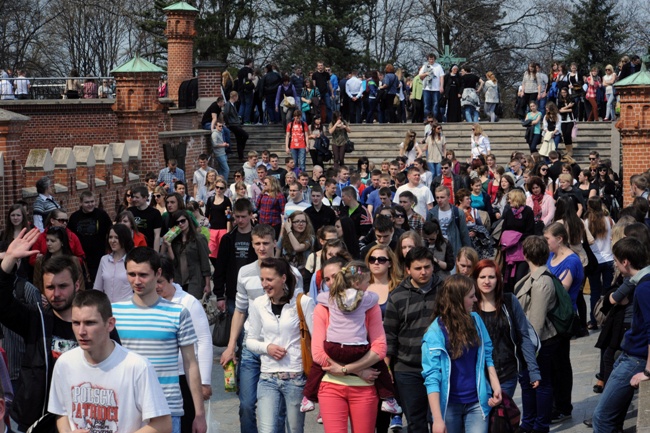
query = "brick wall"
x=182 y=120
x=180 y=48
x=634 y=125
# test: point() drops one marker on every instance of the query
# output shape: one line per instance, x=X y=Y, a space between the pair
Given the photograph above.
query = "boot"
x=569 y=149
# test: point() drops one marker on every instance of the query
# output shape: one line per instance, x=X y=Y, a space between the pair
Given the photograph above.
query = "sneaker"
x=396 y=423
x=559 y=417
x=306 y=405
x=319 y=419
x=390 y=405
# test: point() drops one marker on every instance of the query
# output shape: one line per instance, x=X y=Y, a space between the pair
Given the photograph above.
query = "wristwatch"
x=344 y=371
x=646 y=373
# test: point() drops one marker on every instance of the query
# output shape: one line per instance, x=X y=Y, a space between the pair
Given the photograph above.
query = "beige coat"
x=537 y=298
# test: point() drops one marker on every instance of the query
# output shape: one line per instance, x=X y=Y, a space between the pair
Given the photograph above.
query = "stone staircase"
x=380 y=142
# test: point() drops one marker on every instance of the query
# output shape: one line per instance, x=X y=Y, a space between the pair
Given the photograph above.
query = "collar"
x=639 y=275
x=538 y=272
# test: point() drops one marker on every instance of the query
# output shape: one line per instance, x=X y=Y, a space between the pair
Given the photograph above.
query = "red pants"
x=593 y=116
x=338 y=402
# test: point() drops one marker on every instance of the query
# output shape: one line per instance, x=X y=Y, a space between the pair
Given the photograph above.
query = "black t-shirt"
x=63 y=338
x=207 y=116
x=325 y=217
x=470 y=81
x=503 y=349
x=147 y=221
x=242 y=76
x=279 y=174
x=241 y=244
x=321 y=79
x=92 y=230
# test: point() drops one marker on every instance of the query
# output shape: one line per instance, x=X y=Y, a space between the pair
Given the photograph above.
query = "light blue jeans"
x=223 y=170
x=271 y=393
x=299 y=156
x=176 y=424
x=466 y=418
x=611 y=107
x=434 y=168
x=471 y=114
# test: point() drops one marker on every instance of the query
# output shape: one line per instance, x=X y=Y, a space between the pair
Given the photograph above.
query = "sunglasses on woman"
x=381 y=260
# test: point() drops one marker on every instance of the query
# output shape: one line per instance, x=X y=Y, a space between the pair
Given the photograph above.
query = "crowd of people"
x=430 y=289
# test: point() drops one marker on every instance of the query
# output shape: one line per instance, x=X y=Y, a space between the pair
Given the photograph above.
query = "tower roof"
x=181 y=6
x=641 y=78
x=137 y=64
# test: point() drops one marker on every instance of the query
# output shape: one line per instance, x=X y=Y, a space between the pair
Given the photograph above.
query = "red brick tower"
x=138 y=110
x=180 y=45
x=12 y=174
x=634 y=126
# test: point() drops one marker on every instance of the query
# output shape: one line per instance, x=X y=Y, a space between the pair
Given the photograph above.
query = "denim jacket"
x=436 y=364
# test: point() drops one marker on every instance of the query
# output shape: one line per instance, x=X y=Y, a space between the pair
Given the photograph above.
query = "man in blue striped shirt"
x=156 y=329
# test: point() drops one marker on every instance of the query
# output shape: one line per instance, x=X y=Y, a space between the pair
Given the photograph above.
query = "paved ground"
x=584 y=359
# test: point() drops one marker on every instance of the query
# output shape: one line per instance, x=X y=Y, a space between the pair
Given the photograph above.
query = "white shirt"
x=266 y=328
x=112 y=280
x=354 y=88
x=480 y=146
x=422 y=193
x=203 y=347
x=432 y=82
x=22 y=86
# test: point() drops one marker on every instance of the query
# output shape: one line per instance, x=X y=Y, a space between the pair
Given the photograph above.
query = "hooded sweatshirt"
x=409 y=313
x=348 y=315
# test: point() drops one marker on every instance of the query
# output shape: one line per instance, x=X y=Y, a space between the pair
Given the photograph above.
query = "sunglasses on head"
x=381 y=260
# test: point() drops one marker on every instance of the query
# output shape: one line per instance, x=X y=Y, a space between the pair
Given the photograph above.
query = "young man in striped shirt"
x=156 y=329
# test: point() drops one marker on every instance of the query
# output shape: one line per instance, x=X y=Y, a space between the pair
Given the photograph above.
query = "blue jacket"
x=457 y=233
x=637 y=338
x=523 y=336
x=436 y=365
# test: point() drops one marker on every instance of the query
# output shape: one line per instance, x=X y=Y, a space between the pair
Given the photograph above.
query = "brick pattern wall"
x=634 y=125
x=209 y=82
x=180 y=35
x=187 y=119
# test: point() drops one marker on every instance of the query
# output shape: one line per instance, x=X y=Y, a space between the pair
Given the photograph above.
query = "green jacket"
x=417 y=87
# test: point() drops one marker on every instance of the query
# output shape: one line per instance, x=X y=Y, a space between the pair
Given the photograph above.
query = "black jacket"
x=225 y=274
x=35 y=326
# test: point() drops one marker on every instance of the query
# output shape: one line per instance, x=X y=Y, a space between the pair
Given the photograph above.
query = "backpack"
x=554 y=90
x=561 y=315
x=505 y=417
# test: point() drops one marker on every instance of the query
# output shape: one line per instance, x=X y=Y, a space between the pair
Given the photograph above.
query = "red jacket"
x=41 y=246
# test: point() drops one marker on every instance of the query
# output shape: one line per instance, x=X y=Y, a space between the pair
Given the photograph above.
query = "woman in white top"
x=111 y=275
x=600 y=227
x=608 y=80
x=274 y=334
x=480 y=142
x=491 y=95
x=436 y=149
x=409 y=147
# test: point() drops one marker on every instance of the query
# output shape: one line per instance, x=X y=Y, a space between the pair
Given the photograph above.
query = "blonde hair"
x=478 y=129
x=350 y=275
x=491 y=76
x=517 y=198
x=393 y=271
x=274 y=186
x=566 y=177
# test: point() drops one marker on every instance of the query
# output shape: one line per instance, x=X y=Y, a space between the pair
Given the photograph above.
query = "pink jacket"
x=374 y=325
x=548 y=208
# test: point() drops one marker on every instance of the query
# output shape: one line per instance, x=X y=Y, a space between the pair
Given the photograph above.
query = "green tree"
x=595 y=34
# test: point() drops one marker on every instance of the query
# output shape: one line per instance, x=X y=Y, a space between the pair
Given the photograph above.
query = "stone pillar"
x=634 y=126
x=120 y=161
x=85 y=167
x=139 y=113
x=180 y=34
x=103 y=164
x=13 y=176
x=65 y=167
x=209 y=76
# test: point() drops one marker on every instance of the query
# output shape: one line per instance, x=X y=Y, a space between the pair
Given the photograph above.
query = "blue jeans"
x=556 y=139
x=328 y=106
x=471 y=114
x=271 y=393
x=248 y=378
x=413 y=399
x=490 y=108
x=537 y=403
x=541 y=106
x=274 y=116
x=466 y=418
x=434 y=168
x=372 y=109
x=509 y=386
x=431 y=101
x=176 y=424
x=223 y=170
x=617 y=395
x=299 y=156
x=245 y=106
x=600 y=282
x=610 y=113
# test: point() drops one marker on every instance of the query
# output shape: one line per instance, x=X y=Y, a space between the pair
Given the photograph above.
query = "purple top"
x=348 y=327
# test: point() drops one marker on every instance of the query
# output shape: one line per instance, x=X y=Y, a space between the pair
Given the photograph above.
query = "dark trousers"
x=242 y=137
x=413 y=398
x=372 y=110
x=355 y=110
x=188 y=405
x=347 y=355
x=418 y=111
x=338 y=155
x=562 y=377
x=537 y=404
x=600 y=282
x=316 y=158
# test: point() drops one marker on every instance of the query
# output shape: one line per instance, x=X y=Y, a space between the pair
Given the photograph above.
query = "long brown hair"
x=596 y=218
x=498 y=290
x=450 y=309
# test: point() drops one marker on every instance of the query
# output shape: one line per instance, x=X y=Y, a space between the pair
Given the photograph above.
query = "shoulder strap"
x=301 y=314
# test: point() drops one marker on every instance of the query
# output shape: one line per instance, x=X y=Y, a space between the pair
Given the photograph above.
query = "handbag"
x=505 y=417
x=305 y=338
x=221 y=331
x=211 y=311
x=349 y=146
x=315 y=102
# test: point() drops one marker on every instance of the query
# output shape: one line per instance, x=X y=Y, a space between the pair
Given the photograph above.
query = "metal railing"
x=42 y=88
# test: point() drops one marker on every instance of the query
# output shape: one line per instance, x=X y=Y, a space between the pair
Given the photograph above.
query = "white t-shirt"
x=119 y=394
x=432 y=82
x=422 y=193
x=445 y=218
x=411 y=154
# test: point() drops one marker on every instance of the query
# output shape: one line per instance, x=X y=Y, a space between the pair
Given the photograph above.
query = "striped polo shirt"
x=157 y=332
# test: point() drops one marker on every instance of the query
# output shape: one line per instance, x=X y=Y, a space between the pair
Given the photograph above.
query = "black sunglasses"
x=381 y=260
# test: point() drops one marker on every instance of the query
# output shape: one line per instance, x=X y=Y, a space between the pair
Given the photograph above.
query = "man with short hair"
x=298 y=80
x=639 y=186
x=246 y=89
x=342 y=178
x=447 y=178
x=250 y=168
x=407 y=200
x=330 y=198
x=374 y=185
x=453 y=227
x=38 y=326
x=276 y=171
x=233 y=121
x=357 y=212
x=316 y=173
x=303 y=179
x=295 y=202
x=44 y=203
x=318 y=214
x=100 y=384
x=235 y=251
x=290 y=165
x=374 y=201
x=384 y=229
x=385 y=201
x=249 y=287
x=594 y=158
x=170 y=174
x=321 y=81
x=433 y=82
x=91 y=225
x=542 y=80
x=147 y=218
x=151 y=182
x=633 y=365
x=198 y=179
x=407 y=318
x=354 y=90
x=265 y=161
x=518 y=172
x=139 y=321
x=220 y=146
x=555 y=167
x=424 y=198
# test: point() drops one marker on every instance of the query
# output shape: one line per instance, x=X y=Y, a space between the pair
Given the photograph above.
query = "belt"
x=283 y=375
